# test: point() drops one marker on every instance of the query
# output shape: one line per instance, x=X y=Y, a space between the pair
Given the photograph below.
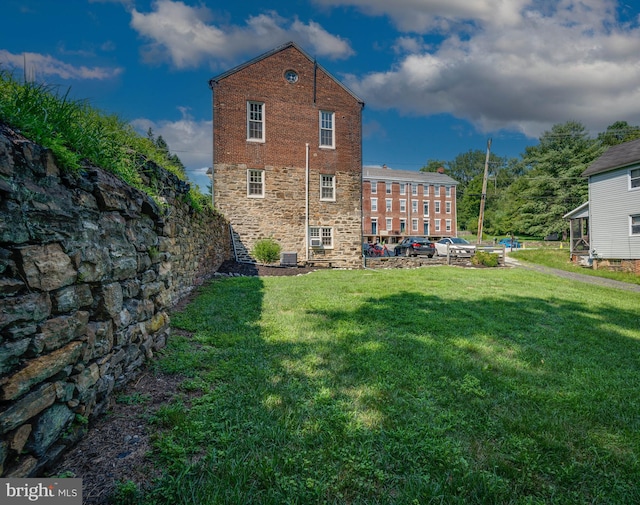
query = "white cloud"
x=571 y=61
x=39 y=66
x=189 y=139
x=187 y=36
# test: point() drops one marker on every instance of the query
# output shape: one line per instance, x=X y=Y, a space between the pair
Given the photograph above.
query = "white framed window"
x=425 y=209
x=414 y=225
x=389 y=204
x=634 y=178
x=403 y=205
x=437 y=223
x=403 y=188
x=374 y=205
x=437 y=207
x=426 y=189
x=634 y=222
x=327 y=129
x=414 y=206
x=447 y=191
x=389 y=223
x=255 y=121
x=447 y=225
x=328 y=188
x=255 y=183
x=388 y=188
x=447 y=207
x=322 y=234
x=374 y=187
x=414 y=190
x=436 y=190
x=403 y=225
x=374 y=226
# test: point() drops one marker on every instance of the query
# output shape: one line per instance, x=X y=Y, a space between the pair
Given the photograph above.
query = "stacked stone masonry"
x=89 y=269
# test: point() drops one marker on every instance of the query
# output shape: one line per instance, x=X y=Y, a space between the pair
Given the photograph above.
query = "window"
x=374 y=205
x=447 y=191
x=389 y=203
x=634 y=178
x=414 y=190
x=447 y=207
x=403 y=225
x=447 y=225
x=414 y=206
x=328 y=188
x=388 y=186
x=324 y=234
x=374 y=187
x=374 y=226
x=255 y=121
x=437 y=221
x=403 y=188
x=414 y=225
x=425 y=228
x=426 y=190
x=403 y=206
x=389 y=224
x=255 y=183
x=437 y=207
x=635 y=225
x=327 y=132
x=436 y=191
x=425 y=209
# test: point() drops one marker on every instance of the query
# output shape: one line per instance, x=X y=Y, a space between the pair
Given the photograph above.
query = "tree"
x=553 y=183
x=619 y=132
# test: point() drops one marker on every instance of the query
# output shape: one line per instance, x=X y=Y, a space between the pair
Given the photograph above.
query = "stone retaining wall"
x=89 y=268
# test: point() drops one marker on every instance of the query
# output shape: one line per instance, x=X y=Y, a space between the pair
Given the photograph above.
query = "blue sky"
x=439 y=77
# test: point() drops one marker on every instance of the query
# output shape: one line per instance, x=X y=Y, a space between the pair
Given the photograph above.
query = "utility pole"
x=484 y=192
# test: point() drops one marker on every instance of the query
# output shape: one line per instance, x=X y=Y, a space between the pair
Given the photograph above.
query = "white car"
x=457 y=247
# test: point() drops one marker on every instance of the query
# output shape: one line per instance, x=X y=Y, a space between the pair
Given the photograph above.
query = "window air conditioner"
x=316 y=242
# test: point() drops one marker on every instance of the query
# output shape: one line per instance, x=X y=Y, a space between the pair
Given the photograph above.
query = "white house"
x=614 y=207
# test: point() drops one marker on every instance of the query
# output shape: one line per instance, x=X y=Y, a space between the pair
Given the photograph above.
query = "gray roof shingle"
x=615 y=157
x=381 y=174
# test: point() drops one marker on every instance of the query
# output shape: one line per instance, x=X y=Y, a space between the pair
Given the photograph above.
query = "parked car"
x=415 y=246
x=509 y=242
x=457 y=247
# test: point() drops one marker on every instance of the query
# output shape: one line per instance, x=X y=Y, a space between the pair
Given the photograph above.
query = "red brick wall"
x=291 y=121
x=395 y=214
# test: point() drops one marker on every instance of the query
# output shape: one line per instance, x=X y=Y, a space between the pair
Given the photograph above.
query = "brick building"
x=402 y=203
x=287 y=157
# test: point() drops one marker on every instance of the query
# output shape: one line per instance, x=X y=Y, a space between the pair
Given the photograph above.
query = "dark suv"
x=414 y=246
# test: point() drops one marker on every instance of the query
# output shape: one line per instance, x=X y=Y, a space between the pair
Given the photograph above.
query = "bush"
x=485 y=258
x=267 y=251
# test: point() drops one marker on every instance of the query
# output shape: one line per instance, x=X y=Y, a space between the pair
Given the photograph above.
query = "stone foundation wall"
x=628 y=266
x=89 y=268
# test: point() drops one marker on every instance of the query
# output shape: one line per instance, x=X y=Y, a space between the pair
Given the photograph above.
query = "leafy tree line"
x=530 y=195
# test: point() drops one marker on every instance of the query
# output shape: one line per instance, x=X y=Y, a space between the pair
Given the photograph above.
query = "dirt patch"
x=115 y=448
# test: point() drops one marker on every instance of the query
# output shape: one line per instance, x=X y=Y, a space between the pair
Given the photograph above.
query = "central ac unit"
x=316 y=242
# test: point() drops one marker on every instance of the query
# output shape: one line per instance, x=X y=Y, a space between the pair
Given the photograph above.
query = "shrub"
x=267 y=251
x=485 y=258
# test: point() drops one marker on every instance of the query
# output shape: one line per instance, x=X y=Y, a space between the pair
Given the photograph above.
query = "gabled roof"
x=388 y=174
x=615 y=157
x=218 y=78
x=578 y=212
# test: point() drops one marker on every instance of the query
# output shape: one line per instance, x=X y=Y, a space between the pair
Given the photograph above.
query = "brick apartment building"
x=287 y=157
x=402 y=203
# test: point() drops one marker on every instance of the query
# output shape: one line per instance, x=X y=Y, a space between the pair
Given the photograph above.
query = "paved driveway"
x=590 y=279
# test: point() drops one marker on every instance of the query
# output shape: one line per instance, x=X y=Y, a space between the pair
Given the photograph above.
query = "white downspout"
x=306 y=204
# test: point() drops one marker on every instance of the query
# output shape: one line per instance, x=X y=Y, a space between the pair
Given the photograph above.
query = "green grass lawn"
x=434 y=385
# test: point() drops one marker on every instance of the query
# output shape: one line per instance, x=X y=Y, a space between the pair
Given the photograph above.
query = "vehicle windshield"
x=458 y=240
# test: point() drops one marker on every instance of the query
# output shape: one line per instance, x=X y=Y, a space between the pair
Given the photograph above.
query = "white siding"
x=611 y=202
